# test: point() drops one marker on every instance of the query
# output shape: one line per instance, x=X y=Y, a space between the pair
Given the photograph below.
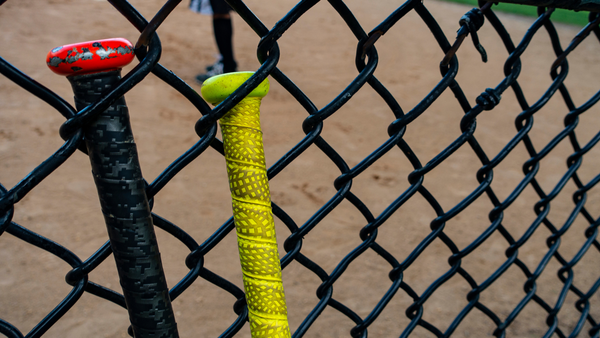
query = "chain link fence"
x=516 y=258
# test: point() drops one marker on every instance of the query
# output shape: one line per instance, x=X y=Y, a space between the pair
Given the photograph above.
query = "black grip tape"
x=122 y=193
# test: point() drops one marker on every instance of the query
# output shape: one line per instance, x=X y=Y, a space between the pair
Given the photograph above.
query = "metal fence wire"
x=575 y=296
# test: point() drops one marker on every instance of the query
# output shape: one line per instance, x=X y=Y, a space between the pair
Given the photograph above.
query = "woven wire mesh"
x=387 y=250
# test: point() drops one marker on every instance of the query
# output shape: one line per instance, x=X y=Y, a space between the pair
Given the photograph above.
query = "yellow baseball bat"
x=251 y=200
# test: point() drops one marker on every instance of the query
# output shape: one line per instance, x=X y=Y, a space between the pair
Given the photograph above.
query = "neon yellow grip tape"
x=251 y=200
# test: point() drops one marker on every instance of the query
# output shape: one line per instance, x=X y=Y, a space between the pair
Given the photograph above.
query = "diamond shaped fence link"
x=148 y=50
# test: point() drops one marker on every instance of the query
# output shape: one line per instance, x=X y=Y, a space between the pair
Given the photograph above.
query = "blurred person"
x=223 y=32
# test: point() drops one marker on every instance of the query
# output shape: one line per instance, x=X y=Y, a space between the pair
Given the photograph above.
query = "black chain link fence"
x=573 y=296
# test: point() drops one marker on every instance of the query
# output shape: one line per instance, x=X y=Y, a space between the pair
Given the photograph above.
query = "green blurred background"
x=559 y=15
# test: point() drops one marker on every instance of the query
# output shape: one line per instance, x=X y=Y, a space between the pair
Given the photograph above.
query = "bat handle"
x=122 y=192
x=251 y=202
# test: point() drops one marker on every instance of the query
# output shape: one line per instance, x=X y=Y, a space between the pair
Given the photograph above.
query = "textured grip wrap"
x=122 y=193
x=255 y=228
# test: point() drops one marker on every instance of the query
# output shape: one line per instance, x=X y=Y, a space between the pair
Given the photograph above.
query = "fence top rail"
x=577 y=5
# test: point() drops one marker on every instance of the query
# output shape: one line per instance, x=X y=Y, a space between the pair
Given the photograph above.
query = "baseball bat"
x=93 y=68
x=251 y=202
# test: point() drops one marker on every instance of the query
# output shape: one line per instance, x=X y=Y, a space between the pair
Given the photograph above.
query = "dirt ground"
x=317 y=53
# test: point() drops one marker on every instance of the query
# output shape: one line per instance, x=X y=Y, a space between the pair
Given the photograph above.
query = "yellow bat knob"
x=251 y=201
x=218 y=88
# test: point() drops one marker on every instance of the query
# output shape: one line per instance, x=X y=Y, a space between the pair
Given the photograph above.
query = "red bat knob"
x=90 y=57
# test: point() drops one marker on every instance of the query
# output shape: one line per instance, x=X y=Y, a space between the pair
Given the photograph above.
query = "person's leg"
x=223 y=31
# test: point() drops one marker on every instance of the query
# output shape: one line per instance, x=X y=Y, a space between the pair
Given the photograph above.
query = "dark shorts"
x=220 y=7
